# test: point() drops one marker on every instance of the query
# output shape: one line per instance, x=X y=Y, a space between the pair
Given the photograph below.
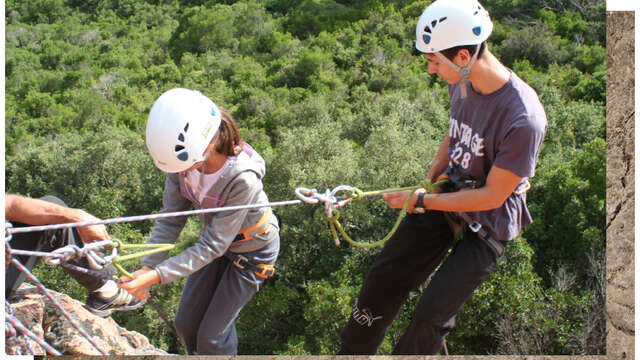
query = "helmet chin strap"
x=464 y=71
x=202 y=171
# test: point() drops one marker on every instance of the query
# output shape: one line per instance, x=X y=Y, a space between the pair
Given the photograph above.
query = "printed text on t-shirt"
x=467 y=143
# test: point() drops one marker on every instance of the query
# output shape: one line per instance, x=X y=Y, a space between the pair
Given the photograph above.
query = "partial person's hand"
x=142 y=280
x=92 y=233
x=396 y=200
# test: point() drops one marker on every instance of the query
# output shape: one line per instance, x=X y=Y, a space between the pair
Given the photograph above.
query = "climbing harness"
x=264 y=271
x=476 y=227
x=258 y=228
x=483 y=234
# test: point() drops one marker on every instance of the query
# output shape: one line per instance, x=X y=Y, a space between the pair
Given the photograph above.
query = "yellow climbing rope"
x=358 y=194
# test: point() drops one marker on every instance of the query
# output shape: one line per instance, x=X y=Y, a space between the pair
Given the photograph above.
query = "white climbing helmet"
x=180 y=126
x=449 y=23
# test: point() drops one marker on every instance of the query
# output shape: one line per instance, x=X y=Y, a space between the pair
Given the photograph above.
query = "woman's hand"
x=142 y=280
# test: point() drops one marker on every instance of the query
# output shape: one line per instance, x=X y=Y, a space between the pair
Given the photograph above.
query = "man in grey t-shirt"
x=497 y=125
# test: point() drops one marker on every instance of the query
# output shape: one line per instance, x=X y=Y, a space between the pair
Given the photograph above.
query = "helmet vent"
x=186 y=127
x=179 y=148
x=434 y=23
x=477 y=30
x=426 y=38
x=183 y=156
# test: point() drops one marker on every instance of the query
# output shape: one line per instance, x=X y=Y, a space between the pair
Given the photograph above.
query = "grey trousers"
x=212 y=299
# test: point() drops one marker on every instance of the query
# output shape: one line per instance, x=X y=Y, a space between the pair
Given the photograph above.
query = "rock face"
x=42 y=317
x=620 y=185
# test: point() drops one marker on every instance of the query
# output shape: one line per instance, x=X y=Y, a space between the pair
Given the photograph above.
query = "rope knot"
x=356 y=194
x=432 y=187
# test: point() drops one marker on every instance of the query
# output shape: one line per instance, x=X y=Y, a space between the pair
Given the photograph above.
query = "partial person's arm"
x=39 y=212
x=500 y=184
x=212 y=243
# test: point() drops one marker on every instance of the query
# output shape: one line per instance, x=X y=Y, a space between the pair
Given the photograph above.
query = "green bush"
x=568 y=202
x=536 y=44
x=513 y=313
x=330 y=94
x=108 y=174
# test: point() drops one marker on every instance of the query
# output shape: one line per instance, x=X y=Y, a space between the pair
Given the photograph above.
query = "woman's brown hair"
x=227 y=140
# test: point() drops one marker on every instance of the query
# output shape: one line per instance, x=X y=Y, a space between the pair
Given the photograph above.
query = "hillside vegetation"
x=329 y=92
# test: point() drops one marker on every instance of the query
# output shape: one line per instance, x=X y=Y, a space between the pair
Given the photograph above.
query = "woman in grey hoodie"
x=208 y=166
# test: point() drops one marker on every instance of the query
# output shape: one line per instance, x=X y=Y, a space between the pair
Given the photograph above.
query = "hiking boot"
x=103 y=307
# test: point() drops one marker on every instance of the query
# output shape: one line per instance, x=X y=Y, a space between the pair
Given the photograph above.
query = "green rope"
x=122 y=248
x=358 y=194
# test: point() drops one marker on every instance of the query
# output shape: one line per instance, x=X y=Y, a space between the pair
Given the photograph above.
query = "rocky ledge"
x=42 y=317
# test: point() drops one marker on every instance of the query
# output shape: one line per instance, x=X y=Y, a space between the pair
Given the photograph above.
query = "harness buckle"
x=238 y=259
x=475 y=226
x=471 y=184
x=266 y=270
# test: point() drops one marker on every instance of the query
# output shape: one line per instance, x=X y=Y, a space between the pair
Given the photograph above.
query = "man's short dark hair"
x=451 y=53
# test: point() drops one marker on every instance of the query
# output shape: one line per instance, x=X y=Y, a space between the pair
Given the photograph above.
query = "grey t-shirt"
x=505 y=129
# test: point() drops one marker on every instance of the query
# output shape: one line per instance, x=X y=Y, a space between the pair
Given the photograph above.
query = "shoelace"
x=123 y=298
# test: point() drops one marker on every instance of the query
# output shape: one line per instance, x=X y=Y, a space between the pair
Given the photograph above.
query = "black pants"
x=407 y=259
x=47 y=241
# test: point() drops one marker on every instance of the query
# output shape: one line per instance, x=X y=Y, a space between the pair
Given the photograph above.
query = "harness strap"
x=264 y=271
x=527 y=186
x=477 y=228
x=248 y=234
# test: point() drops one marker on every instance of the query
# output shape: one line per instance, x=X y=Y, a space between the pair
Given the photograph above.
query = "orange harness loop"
x=264 y=271
x=245 y=235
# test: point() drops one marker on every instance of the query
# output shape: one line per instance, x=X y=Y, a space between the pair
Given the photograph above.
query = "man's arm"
x=499 y=186
x=39 y=212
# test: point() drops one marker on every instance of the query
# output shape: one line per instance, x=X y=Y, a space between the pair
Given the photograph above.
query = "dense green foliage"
x=329 y=93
